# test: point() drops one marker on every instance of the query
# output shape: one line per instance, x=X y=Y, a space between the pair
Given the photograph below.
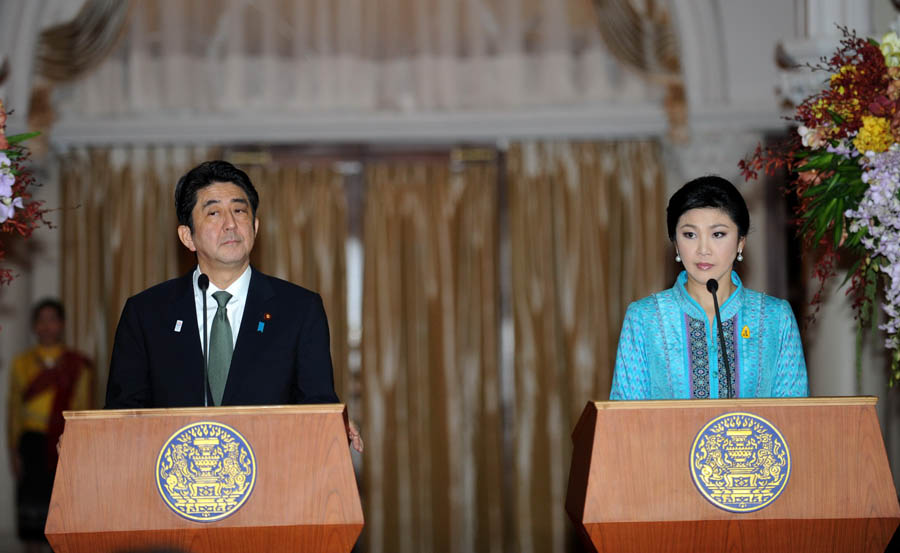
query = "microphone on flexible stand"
x=713 y=286
x=203 y=284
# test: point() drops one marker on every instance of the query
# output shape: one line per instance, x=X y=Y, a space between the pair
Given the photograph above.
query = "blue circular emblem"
x=206 y=471
x=740 y=462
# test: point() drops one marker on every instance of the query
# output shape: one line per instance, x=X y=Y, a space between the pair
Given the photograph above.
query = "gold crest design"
x=205 y=471
x=740 y=462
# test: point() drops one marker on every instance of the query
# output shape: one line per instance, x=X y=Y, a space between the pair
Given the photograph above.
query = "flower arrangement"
x=844 y=162
x=18 y=214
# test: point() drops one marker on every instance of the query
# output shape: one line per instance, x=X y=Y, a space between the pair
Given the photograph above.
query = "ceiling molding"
x=273 y=128
x=607 y=122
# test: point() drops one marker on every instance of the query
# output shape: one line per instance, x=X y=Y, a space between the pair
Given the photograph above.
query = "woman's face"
x=707 y=240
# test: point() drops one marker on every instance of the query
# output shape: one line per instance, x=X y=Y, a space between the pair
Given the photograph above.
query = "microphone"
x=713 y=286
x=203 y=284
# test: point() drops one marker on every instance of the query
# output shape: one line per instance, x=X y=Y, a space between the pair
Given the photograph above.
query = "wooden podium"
x=304 y=498
x=631 y=486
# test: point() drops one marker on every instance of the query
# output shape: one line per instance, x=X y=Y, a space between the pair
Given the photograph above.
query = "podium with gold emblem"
x=200 y=480
x=747 y=475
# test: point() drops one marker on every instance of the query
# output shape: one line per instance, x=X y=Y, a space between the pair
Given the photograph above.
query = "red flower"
x=881 y=106
x=31 y=214
x=4 y=144
x=859 y=77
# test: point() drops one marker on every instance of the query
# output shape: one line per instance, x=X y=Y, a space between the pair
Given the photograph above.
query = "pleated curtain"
x=432 y=470
x=118 y=236
x=587 y=234
x=301 y=239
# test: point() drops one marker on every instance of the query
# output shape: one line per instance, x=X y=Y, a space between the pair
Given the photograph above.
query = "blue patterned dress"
x=669 y=350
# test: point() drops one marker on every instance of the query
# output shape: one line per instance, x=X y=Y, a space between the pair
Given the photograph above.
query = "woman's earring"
x=740 y=256
x=677 y=257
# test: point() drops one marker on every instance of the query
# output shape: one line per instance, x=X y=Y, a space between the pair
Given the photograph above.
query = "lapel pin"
x=267 y=317
x=745 y=333
x=260 y=326
x=178 y=324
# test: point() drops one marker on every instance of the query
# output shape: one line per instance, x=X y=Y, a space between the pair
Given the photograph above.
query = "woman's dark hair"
x=46 y=303
x=204 y=175
x=709 y=191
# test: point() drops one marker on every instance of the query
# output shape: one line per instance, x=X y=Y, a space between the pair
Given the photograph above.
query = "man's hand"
x=355 y=438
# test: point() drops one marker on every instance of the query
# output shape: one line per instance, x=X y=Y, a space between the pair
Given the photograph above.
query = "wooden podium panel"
x=631 y=489
x=106 y=498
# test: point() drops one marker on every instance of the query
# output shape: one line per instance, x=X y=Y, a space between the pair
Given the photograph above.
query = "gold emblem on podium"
x=740 y=462
x=205 y=471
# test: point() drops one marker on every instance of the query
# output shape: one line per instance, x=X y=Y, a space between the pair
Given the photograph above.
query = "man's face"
x=224 y=228
x=48 y=327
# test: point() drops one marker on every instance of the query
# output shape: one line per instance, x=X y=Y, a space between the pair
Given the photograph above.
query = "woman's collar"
x=728 y=308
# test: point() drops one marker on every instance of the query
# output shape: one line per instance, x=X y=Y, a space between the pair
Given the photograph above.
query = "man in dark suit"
x=267 y=339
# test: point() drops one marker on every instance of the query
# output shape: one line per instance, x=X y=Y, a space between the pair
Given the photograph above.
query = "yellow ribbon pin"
x=745 y=332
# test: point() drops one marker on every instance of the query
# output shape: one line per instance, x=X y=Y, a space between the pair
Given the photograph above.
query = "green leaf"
x=853 y=239
x=814 y=190
x=805 y=227
x=848 y=171
x=824 y=217
x=838 y=120
x=820 y=232
x=17 y=138
x=838 y=229
x=820 y=203
x=851 y=271
x=819 y=161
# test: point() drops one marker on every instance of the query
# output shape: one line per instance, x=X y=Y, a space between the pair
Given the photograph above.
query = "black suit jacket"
x=282 y=354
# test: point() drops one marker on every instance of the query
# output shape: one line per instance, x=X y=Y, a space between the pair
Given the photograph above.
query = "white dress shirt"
x=234 y=307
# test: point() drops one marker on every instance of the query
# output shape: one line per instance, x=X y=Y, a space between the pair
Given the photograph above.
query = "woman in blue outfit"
x=669 y=347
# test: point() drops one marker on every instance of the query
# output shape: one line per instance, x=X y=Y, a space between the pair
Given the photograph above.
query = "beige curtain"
x=69 y=50
x=642 y=36
x=318 y=56
x=118 y=234
x=587 y=234
x=302 y=233
x=118 y=229
x=432 y=468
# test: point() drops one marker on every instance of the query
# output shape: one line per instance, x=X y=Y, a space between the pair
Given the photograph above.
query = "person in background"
x=670 y=347
x=44 y=381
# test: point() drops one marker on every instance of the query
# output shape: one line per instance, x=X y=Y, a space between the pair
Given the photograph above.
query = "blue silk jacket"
x=669 y=350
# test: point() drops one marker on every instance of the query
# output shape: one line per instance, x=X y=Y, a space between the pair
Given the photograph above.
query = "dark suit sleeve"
x=315 y=375
x=129 y=378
